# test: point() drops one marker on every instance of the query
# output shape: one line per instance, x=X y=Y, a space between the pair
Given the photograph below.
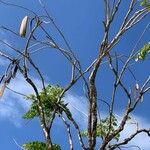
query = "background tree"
x=48 y=104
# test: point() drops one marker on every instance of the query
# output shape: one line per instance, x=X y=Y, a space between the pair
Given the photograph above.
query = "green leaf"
x=84 y=133
x=143 y=52
x=50 y=102
x=32 y=112
x=145 y=3
x=34 y=146
x=104 y=127
x=39 y=146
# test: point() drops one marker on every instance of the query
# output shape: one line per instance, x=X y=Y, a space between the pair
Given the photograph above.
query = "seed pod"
x=136 y=89
x=23 y=26
x=137 y=86
x=8 y=77
x=14 y=71
x=2 y=78
x=2 y=90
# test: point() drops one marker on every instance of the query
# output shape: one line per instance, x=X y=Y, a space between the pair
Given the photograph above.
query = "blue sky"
x=81 y=23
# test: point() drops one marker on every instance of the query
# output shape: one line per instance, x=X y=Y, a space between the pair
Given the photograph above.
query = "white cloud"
x=12 y=106
x=78 y=106
x=141 y=140
x=9 y=111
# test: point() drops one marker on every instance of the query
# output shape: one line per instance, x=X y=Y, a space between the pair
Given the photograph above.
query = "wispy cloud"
x=12 y=106
x=141 y=140
x=9 y=111
x=78 y=106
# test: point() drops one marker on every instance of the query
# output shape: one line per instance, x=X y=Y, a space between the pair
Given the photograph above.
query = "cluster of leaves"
x=50 y=102
x=104 y=127
x=39 y=146
x=143 y=52
x=144 y=3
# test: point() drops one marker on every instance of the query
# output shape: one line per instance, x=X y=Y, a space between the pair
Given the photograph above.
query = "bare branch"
x=131 y=137
x=78 y=131
x=69 y=132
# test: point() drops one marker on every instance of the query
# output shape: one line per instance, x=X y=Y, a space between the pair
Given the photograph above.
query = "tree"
x=49 y=103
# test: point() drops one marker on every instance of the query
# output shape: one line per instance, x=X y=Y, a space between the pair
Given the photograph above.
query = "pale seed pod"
x=2 y=90
x=137 y=86
x=136 y=89
x=23 y=26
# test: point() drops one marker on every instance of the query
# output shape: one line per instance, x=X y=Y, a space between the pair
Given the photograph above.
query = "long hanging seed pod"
x=14 y=71
x=6 y=79
x=2 y=78
x=23 y=26
x=2 y=89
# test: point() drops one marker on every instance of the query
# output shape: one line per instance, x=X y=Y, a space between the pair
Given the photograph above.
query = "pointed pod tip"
x=23 y=26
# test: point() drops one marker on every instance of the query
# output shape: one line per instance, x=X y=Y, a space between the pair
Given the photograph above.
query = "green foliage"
x=50 y=99
x=49 y=102
x=144 y=2
x=34 y=146
x=32 y=112
x=39 y=146
x=104 y=127
x=143 y=52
